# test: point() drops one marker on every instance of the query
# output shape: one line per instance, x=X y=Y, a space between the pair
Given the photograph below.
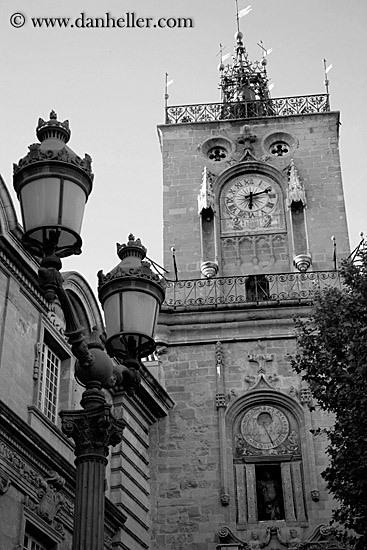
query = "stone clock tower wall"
x=313 y=147
x=254 y=210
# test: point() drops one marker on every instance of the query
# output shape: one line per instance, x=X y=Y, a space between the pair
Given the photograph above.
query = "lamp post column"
x=93 y=429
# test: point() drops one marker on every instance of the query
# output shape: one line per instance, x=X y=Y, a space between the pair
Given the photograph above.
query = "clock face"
x=264 y=427
x=251 y=197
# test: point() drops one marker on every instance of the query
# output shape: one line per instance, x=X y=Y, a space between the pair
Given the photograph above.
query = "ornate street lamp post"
x=53 y=185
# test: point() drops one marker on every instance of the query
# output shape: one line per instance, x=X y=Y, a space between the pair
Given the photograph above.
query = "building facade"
x=252 y=204
x=37 y=473
x=218 y=451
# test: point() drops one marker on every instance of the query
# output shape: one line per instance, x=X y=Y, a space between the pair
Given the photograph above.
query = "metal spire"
x=243 y=80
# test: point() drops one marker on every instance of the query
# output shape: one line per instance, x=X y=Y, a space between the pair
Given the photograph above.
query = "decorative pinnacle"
x=133 y=247
x=53 y=128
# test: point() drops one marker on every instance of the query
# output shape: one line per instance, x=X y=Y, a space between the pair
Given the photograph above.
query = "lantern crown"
x=53 y=129
x=132 y=249
x=132 y=264
x=53 y=136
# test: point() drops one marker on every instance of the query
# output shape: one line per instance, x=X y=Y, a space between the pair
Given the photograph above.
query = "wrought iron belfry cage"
x=243 y=80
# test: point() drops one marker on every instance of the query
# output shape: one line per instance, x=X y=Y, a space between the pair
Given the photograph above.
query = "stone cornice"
x=23 y=451
x=20 y=275
x=152 y=399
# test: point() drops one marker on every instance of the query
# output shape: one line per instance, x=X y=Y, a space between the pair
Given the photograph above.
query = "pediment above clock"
x=262 y=383
x=248 y=156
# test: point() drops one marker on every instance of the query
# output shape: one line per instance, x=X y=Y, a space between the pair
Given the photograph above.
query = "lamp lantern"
x=53 y=184
x=131 y=295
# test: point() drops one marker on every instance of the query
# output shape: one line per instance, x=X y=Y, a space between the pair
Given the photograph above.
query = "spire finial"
x=326 y=80
x=166 y=86
x=243 y=80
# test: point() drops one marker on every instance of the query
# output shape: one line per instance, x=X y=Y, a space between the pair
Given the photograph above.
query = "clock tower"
x=252 y=204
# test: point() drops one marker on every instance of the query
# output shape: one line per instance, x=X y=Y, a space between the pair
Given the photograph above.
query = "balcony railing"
x=285 y=106
x=322 y=545
x=266 y=290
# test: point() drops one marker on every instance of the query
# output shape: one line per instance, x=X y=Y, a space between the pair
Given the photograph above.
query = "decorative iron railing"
x=322 y=545
x=284 y=106
x=252 y=289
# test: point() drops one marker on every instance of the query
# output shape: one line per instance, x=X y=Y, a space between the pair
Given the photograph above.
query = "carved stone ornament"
x=323 y=538
x=264 y=360
x=209 y=269
x=58 y=323
x=224 y=499
x=292 y=541
x=220 y=400
x=247 y=138
x=36 y=364
x=295 y=191
x=50 y=501
x=315 y=495
x=206 y=195
x=226 y=536
x=4 y=483
x=302 y=262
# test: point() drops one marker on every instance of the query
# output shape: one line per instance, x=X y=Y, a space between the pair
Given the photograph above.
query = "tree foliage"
x=332 y=358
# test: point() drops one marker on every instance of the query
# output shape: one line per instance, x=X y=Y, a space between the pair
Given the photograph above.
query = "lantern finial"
x=133 y=249
x=53 y=129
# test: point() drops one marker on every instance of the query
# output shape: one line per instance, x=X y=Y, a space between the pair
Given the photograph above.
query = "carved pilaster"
x=221 y=407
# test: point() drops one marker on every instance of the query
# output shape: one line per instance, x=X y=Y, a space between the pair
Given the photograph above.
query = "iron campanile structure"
x=253 y=202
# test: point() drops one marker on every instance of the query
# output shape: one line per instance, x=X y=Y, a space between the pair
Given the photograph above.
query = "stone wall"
x=218 y=365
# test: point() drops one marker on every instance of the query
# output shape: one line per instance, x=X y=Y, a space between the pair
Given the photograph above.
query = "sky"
x=109 y=84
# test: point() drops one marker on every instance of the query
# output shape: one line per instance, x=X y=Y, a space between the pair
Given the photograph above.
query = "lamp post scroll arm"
x=51 y=282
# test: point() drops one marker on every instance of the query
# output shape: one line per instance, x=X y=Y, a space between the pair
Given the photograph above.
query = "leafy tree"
x=332 y=358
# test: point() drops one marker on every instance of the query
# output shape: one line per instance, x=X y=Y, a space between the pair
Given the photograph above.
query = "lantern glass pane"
x=111 y=309
x=40 y=203
x=130 y=311
x=73 y=204
x=138 y=312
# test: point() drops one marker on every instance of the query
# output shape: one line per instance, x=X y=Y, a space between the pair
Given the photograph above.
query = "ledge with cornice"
x=29 y=462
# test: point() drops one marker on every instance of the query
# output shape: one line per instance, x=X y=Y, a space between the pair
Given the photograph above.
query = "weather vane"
x=166 y=86
x=326 y=70
x=241 y=13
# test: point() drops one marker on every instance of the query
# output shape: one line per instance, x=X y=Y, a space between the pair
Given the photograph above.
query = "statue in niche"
x=270 y=497
x=255 y=543
x=296 y=197
x=294 y=542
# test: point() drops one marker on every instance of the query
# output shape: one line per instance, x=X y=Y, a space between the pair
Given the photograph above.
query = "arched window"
x=266 y=431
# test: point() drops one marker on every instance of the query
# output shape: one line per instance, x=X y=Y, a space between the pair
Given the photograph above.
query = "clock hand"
x=252 y=195
x=259 y=193
x=268 y=434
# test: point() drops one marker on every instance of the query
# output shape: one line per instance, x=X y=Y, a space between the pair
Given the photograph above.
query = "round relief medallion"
x=265 y=427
